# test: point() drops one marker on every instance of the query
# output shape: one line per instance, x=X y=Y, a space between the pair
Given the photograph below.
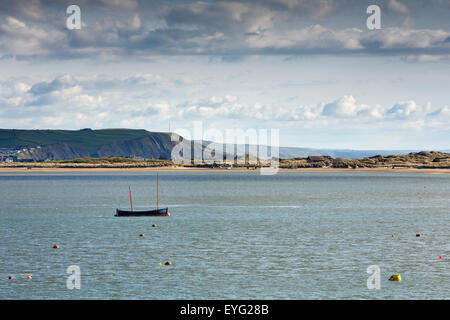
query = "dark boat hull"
x=152 y=213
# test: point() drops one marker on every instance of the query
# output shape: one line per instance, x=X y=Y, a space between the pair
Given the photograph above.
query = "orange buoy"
x=418 y=235
x=154 y=225
x=141 y=235
x=168 y=263
x=167 y=214
x=28 y=277
x=56 y=246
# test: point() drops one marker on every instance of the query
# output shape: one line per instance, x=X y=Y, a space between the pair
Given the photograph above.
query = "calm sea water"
x=230 y=235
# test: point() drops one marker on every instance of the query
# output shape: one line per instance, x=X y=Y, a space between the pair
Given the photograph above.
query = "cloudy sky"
x=310 y=68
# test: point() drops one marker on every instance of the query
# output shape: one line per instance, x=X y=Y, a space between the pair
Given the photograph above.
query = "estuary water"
x=231 y=235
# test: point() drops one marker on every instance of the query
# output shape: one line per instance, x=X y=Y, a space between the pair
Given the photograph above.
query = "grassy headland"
x=423 y=159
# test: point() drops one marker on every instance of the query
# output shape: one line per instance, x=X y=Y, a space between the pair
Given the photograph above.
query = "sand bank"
x=193 y=169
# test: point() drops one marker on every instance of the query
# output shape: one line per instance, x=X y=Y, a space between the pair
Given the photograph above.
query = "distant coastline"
x=136 y=144
x=4 y=169
x=423 y=160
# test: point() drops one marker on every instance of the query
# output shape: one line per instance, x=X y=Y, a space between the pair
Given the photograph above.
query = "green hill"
x=104 y=143
x=90 y=140
x=71 y=144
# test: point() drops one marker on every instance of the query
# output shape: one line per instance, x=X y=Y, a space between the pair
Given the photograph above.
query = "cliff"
x=40 y=145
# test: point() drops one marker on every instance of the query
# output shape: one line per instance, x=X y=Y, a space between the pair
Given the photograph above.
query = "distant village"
x=10 y=155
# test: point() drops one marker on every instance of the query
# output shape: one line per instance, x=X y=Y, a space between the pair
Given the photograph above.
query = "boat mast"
x=131 y=199
x=157 y=191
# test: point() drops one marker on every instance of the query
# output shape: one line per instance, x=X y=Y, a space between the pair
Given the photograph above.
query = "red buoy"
x=168 y=263
x=440 y=257
x=10 y=277
x=167 y=214
x=56 y=246
x=141 y=235
x=418 y=235
x=154 y=225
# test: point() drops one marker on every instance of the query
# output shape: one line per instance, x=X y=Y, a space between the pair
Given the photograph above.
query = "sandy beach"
x=196 y=169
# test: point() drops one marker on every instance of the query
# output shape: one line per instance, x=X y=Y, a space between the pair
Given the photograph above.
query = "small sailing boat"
x=156 y=212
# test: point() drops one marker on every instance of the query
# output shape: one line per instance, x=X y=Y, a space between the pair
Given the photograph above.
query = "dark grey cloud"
x=42 y=88
x=132 y=28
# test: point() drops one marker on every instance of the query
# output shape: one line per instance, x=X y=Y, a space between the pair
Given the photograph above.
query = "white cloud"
x=11 y=89
x=121 y=4
x=339 y=111
x=347 y=107
x=311 y=38
x=442 y=112
x=397 y=6
x=404 y=110
x=17 y=38
x=130 y=26
x=343 y=107
x=110 y=101
x=398 y=38
x=427 y=58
